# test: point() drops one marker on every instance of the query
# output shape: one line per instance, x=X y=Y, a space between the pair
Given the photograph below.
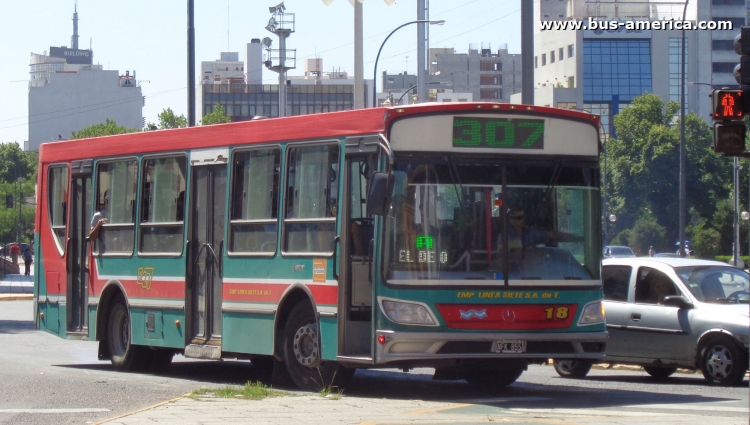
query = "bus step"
x=208 y=352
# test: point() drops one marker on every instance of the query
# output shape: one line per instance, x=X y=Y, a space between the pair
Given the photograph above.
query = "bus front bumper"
x=399 y=346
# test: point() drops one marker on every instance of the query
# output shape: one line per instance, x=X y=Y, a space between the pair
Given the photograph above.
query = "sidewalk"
x=17 y=286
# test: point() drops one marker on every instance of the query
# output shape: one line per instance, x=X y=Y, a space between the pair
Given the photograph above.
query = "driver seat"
x=711 y=287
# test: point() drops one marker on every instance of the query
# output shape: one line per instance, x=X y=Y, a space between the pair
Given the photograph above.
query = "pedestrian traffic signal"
x=8 y=201
x=729 y=137
x=728 y=104
x=742 y=47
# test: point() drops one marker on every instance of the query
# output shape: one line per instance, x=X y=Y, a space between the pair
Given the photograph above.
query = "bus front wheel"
x=572 y=368
x=302 y=353
x=495 y=377
x=125 y=356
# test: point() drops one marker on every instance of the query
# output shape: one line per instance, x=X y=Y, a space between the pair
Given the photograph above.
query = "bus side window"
x=58 y=205
x=161 y=222
x=312 y=196
x=117 y=180
x=253 y=219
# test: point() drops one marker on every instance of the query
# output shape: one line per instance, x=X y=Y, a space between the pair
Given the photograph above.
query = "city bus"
x=317 y=245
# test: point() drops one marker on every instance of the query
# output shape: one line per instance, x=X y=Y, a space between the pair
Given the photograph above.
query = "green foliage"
x=108 y=128
x=622 y=238
x=706 y=242
x=641 y=174
x=217 y=116
x=646 y=233
x=251 y=390
x=16 y=163
x=167 y=119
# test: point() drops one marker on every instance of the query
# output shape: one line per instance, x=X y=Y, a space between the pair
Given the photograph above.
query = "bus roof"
x=303 y=127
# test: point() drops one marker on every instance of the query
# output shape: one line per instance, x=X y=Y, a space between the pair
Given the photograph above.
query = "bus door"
x=356 y=254
x=76 y=297
x=206 y=239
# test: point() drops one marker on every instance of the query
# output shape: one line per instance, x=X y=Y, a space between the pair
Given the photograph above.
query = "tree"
x=108 y=128
x=16 y=163
x=167 y=119
x=642 y=171
x=646 y=233
x=217 y=116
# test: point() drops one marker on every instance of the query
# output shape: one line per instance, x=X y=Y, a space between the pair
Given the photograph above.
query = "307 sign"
x=498 y=133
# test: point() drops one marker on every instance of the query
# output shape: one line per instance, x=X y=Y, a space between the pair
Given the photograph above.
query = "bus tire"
x=660 y=372
x=572 y=368
x=302 y=353
x=124 y=355
x=722 y=361
x=495 y=377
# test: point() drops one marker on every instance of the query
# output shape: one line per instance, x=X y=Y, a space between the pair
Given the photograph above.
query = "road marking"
x=81 y=410
x=691 y=406
x=438 y=409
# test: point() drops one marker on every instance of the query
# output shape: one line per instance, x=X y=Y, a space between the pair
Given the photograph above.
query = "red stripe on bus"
x=272 y=292
x=507 y=316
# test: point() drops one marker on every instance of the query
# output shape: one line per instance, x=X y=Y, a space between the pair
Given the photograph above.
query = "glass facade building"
x=244 y=101
x=614 y=69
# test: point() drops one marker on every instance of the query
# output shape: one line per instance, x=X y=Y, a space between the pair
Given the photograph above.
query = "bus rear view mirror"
x=379 y=195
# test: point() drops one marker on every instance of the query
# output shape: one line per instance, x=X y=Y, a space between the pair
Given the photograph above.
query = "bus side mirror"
x=379 y=195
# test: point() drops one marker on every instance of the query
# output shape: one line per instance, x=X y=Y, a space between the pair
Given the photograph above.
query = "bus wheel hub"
x=306 y=349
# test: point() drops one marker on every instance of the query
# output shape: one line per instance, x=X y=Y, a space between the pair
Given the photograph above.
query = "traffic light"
x=729 y=104
x=8 y=201
x=742 y=47
x=729 y=137
x=729 y=107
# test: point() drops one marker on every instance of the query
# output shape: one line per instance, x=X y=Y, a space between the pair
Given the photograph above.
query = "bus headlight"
x=592 y=313
x=407 y=313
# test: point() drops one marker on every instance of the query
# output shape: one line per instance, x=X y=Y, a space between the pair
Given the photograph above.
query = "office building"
x=68 y=92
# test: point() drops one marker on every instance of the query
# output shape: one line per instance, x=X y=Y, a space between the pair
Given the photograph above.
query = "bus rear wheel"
x=125 y=356
x=302 y=353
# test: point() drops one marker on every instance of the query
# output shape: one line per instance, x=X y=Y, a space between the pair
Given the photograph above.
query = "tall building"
x=602 y=71
x=480 y=75
x=68 y=92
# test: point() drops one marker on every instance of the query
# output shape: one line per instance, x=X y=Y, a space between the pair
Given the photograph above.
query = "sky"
x=150 y=38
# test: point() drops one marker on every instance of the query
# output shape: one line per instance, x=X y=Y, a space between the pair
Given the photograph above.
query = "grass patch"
x=331 y=393
x=251 y=390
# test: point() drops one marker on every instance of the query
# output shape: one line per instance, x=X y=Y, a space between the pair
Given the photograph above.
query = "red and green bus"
x=319 y=244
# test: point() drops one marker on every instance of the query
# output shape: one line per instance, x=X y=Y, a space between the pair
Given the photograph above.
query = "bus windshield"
x=460 y=222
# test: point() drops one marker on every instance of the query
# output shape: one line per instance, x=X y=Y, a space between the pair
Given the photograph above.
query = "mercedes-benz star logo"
x=509 y=315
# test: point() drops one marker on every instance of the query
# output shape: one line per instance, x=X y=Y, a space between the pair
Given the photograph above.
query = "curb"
x=16 y=297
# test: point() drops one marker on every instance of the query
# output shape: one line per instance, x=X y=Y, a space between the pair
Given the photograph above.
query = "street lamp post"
x=375 y=68
x=683 y=151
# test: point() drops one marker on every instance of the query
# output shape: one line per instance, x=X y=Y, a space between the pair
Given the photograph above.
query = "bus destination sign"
x=500 y=133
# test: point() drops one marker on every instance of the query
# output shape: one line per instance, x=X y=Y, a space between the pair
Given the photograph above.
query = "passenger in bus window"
x=99 y=218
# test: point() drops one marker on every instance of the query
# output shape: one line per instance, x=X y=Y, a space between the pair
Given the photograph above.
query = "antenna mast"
x=74 y=38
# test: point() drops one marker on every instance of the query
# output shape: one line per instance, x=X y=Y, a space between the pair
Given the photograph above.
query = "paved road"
x=46 y=380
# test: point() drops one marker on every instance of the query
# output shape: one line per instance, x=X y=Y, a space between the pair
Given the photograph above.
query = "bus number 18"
x=556 y=313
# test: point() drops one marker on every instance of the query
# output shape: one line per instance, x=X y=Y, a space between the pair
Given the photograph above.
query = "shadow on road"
x=16 y=326
x=394 y=385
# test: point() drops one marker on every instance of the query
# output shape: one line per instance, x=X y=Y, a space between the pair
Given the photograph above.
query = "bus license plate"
x=510 y=346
